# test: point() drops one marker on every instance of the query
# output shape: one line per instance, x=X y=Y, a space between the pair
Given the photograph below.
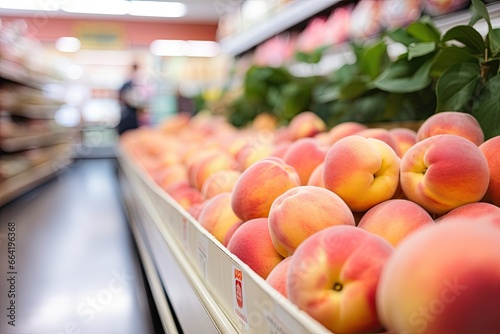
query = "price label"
x=239 y=298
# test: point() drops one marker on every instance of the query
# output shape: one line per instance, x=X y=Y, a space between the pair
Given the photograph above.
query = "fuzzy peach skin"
x=184 y=194
x=380 y=134
x=305 y=155
x=444 y=279
x=362 y=171
x=333 y=276
x=171 y=174
x=277 y=278
x=470 y=211
x=252 y=152
x=230 y=233
x=259 y=185
x=220 y=182
x=251 y=243
x=316 y=178
x=443 y=172
x=217 y=216
x=305 y=124
x=490 y=149
x=404 y=139
x=302 y=211
x=345 y=129
x=208 y=164
x=395 y=219
x=452 y=122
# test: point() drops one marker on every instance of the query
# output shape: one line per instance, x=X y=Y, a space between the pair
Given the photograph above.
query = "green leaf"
x=353 y=90
x=468 y=36
x=479 y=11
x=326 y=93
x=448 y=56
x=494 y=41
x=487 y=108
x=312 y=57
x=420 y=49
x=424 y=31
x=401 y=36
x=490 y=68
x=373 y=59
x=404 y=76
x=456 y=87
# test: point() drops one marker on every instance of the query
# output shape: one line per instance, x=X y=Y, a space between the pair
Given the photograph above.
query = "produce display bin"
x=225 y=289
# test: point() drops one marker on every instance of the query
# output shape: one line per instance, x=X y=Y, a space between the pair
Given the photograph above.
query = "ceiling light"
x=168 y=47
x=109 y=7
x=156 y=8
x=68 y=44
x=203 y=49
x=30 y=5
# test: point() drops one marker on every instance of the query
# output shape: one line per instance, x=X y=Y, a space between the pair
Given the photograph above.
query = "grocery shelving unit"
x=193 y=276
x=33 y=146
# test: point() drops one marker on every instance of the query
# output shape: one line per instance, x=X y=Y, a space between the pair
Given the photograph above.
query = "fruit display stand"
x=202 y=280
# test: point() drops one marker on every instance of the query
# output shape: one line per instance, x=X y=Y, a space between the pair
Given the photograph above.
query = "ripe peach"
x=230 y=233
x=443 y=172
x=452 y=122
x=305 y=155
x=471 y=211
x=259 y=185
x=395 y=219
x=404 y=139
x=251 y=243
x=345 y=129
x=220 y=182
x=380 y=134
x=305 y=124
x=303 y=211
x=277 y=278
x=217 y=216
x=184 y=194
x=444 y=278
x=207 y=164
x=168 y=175
x=316 y=178
x=333 y=276
x=362 y=171
x=252 y=152
x=490 y=149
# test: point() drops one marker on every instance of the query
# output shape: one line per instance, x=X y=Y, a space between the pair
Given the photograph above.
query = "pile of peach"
x=367 y=230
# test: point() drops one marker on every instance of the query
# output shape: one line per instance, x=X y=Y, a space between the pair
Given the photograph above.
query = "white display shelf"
x=15 y=144
x=16 y=72
x=198 y=272
x=293 y=14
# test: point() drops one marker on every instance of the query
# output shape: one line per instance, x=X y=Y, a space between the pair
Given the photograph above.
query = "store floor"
x=76 y=269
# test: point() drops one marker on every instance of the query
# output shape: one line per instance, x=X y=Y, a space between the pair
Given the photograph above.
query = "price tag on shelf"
x=239 y=298
x=185 y=233
x=202 y=247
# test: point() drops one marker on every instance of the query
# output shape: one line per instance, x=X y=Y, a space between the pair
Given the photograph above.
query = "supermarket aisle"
x=76 y=270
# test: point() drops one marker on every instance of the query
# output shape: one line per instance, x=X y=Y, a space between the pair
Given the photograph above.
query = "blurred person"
x=131 y=101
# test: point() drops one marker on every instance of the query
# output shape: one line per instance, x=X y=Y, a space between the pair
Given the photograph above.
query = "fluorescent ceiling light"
x=49 y=6
x=179 y=48
x=155 y=8
x=203 y=49
x=108 y=7
x=68 y=44
x=168 y=47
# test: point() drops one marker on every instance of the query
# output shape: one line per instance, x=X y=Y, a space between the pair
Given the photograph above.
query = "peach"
x=444 y=278
x=316 y=178
x=217 y=216
x=252 y=152
x=395 y=219
x=443 y=172
x=280 y=149
x=184 y=194
x=380 y=134
x=345 y=129
x=251 y=243
x=305 y=124
x=471 y=211
x=490 y=149
x=362 y=171
x=305 y=155
x=259 y=185
x=452 y=122
x=404 y=139
x=333 y=276
x=230 y=233
x=277 y=278
x=195 y=209
x=168 y=175
x=303 y=211
x=220 y=182
x=208 y=164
